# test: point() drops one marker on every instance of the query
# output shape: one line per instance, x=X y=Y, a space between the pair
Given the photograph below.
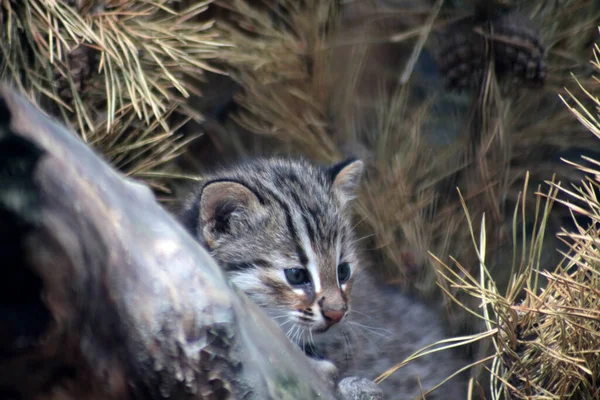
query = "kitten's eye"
x=297 y=276
x=343 y=272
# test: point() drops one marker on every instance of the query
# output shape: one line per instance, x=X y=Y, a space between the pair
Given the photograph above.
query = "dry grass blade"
x=547 y=333
x=499 y=313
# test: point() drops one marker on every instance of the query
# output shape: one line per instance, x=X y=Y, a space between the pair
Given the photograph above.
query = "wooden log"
x=104 y=296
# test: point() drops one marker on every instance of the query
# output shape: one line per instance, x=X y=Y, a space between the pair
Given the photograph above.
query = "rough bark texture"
x=103 y=295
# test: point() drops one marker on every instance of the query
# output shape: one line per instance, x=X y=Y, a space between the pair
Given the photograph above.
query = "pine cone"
x=462 y=56
x=515 y=49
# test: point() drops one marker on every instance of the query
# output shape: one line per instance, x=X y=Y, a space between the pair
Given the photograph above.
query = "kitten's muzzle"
x=333 y=316
x=333 y=307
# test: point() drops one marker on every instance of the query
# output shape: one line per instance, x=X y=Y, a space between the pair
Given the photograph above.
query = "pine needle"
x=114 y=72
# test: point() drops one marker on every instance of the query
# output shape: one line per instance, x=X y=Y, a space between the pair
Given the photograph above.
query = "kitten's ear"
x=220 y=201
x=345 y=178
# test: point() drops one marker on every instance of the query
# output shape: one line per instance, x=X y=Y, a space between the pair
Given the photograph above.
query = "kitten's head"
x=280 y=228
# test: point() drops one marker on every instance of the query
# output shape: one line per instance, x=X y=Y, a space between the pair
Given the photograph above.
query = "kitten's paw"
x=355 y=388
x=325 y=369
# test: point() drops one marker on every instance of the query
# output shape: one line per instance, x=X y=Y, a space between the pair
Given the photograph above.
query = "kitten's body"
x=281 y=230
x=383 y=328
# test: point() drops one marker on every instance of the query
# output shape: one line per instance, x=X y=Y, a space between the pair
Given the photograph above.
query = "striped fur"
x=267 y=216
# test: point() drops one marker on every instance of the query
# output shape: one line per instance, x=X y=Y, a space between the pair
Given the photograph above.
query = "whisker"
x=289 y=332
x=373 y=330
x=357 y=312
x=354 y=329
x=297 y=337
x=358 y=240
x=311 y=338
x=285 y=323
x=358 y=223
x=301 y=338
x=293 y=335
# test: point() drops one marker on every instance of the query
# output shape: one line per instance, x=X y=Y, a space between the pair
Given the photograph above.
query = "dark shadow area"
x=23 y=316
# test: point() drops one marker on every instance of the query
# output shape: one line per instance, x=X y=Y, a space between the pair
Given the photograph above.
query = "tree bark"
x=104 y=296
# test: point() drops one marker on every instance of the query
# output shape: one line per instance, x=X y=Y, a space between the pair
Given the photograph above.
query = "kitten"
x=280 y=228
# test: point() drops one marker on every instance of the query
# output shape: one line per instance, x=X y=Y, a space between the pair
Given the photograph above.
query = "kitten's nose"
x=334 y=316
